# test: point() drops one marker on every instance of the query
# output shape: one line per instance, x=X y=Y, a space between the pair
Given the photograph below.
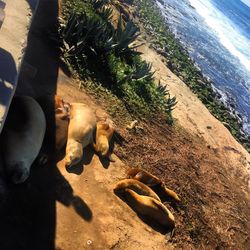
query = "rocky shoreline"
x=153 y=26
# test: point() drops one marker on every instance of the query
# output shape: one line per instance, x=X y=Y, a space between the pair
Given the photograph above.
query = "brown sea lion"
x=80 y=132
x=152 y=181
x=150 y=207
x=137 y=186
x=104 y=133
x=22 y=137
x=101 y=115
x=62 y=114
x=61 y=107
x=143 y=176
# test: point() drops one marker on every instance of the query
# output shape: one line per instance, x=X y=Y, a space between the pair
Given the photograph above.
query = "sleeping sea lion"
x=62 y=114
x=22 y=137
x=152 y=181
x=150 y=207
x=135 y=185
x=104 y=133
x=80 y=132
x=101 y=115
x=143 y=176
x=62 y=107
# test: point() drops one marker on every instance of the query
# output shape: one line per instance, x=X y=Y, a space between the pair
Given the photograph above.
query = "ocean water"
x=216 y=33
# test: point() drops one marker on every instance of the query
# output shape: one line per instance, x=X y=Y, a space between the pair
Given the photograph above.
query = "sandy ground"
x=77 y=209
x=194 y=117
x=111 y=223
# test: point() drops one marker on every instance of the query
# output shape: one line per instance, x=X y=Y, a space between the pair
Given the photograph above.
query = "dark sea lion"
x=150 y=207
x=22 y=137
x=80 y=132
x=152 y=181
x=137 y=186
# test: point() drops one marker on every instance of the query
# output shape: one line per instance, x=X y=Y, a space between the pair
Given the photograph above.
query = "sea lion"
x=62 y=114
x=150 y=207
x=104 y=133
x=152 y=181
x=143 y=176
x=22 y=137
x=137 y=186
x=101 y=115
x=80 y=132
x=62 y=107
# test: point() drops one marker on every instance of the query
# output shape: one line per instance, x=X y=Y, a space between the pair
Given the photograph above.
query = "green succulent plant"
x=143 y=71
x=106 y=13
x=91 y=44
x=99 y=4
x=124 y=37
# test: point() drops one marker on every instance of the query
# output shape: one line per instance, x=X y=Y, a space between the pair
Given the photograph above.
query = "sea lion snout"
x=71 y=160
x=19 y=175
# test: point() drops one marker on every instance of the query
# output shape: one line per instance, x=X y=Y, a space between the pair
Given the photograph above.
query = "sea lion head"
x=18 y=172
x=62 y=107
x=73 y=157
x=71 y=160
x=103 y=148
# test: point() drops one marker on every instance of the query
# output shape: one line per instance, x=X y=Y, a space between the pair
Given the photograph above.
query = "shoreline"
x=179 y=62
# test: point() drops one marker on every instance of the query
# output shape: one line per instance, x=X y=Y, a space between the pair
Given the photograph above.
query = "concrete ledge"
x=2 y=13
x=17 y=16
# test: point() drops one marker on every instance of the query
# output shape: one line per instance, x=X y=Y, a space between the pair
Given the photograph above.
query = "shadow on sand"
x=28 y=217
x=32 y=4
x=77 y=169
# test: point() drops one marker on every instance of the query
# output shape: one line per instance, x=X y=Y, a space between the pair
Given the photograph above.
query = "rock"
x=132 y=125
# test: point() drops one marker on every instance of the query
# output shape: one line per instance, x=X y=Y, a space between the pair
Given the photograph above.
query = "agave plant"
x=98 y=4
x=106 y=13
x=170 y=104
x=162 y=89
x=83 y=33
x=69 y=34
x=143 y=72
x=124 y=36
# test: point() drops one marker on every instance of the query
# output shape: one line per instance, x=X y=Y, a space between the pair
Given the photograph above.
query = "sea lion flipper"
x=157 y=205
x=111 y=158
x=169 y=192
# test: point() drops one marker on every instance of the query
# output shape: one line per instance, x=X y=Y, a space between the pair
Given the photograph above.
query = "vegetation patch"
x=95 y=49
x=180 y=63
